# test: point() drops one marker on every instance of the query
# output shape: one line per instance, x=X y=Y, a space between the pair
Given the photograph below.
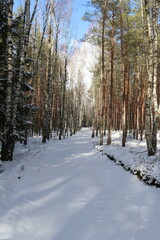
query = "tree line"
x=36 y=94
x=126 y=83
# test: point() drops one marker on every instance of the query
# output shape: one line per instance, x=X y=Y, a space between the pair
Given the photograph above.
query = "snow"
x=67 y=190
x=134 y=157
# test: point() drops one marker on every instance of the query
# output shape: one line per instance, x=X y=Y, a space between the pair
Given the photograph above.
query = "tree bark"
x=151 y=106
x=8 y=141
x=110 y=120
x=102 y=77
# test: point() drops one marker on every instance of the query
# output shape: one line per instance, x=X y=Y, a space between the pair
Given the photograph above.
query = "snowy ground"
x=67 y=190
x=134 y=157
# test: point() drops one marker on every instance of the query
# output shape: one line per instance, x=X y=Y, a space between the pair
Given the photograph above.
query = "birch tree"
x=8 y=134
x=12 y=94
x=48 y=92
x=151 y=106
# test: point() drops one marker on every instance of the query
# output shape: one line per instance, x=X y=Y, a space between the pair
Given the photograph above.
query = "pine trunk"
x=110 y=120
x=102 y=79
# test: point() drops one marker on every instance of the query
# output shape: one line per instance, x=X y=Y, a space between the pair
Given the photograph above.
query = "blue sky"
x=79 y=8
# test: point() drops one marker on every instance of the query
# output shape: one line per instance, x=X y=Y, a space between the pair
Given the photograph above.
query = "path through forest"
x=70 y=191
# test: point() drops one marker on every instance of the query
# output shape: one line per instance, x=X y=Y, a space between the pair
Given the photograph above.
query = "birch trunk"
x=12 y=100
x=47 y=107
x=62 y=117
x=8 y=135
x=151 y=106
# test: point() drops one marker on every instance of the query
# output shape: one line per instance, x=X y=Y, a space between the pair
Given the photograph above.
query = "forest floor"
x=67 y=190
x=134 y=157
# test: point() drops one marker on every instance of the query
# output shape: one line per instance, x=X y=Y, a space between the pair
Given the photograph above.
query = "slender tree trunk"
x=47 y=112
x=151 y=106
x=155 y=70
x=125 y=79
x=125 y=102
x=142 y=105
x=123 y=71
x=110 y=120
x=8 y=135
x=102 y=78
x=63 y=100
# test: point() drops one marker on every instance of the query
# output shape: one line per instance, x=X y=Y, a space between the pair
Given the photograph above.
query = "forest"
x=79 y=120
x=38 y=94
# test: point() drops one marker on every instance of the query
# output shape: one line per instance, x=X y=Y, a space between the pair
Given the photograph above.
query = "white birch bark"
x=8 y=140
x=12 y=100
x=151 y=108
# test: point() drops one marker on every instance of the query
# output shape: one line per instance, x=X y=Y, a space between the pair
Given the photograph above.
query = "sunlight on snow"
x=73 y=192
x=44 y=186
x=82 y=199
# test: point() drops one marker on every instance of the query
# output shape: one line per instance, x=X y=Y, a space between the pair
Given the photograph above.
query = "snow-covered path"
x=69 y=191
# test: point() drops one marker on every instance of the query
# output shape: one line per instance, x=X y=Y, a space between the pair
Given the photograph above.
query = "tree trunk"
x=102 y=78
x=63 y=101
x=47 y=107
x=151 y=106
x=8 y=141
x=110 y=120
x=12 y=99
